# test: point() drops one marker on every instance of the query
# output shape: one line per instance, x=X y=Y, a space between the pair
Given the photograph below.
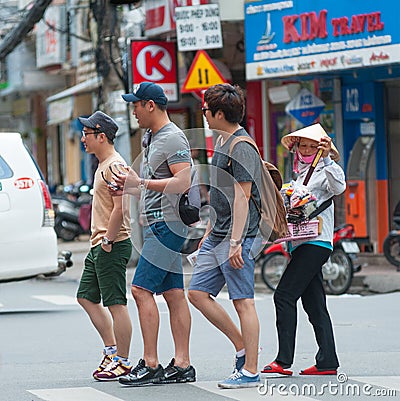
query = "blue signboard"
x=286 y=38
x=358 y=101
x=305 y=107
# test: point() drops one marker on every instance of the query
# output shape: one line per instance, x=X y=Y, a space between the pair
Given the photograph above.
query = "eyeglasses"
x=204 y=109
x=85 y=133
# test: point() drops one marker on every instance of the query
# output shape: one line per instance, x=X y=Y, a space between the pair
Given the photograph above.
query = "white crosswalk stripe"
x=73 y=394
x=378 y=385
x=244 y=394
x=388 y=382
x=61 y=300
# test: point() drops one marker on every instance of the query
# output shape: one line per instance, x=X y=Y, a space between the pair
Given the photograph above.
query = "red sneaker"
x=274 y=367
x=314 y=371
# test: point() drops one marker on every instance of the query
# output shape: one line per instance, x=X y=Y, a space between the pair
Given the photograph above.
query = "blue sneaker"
x=239 y=363
x=239 y=380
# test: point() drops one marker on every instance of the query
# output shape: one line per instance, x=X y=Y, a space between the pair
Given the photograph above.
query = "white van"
x=28 y=243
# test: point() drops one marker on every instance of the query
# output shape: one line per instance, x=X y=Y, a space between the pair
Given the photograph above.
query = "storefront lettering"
x=329 y=62
x=341 y=26
x=306 y=100
x=352 y=102
x=378 y=57
x=306 y=66
x=316 y=23
x=311 y=26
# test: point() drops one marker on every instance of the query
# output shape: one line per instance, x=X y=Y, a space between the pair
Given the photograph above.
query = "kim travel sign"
x=304 y=36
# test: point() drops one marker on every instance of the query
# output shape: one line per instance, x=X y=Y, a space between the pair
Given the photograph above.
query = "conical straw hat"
x=314 y=132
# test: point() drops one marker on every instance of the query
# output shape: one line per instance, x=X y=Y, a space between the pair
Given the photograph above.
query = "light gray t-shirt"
x=168 y=146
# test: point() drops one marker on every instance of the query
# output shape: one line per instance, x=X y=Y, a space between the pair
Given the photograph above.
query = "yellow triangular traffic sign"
x=203 y=73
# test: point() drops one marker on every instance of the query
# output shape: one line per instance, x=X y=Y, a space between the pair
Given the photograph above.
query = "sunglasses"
x=109 y=183
x=204 y=109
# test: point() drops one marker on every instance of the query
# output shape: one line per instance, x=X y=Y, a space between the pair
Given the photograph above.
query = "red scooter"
x=337 y=271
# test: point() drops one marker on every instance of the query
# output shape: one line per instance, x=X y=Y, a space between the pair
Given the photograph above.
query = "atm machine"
x=361 y=192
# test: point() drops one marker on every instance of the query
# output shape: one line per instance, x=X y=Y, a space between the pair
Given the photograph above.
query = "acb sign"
x=358 y=101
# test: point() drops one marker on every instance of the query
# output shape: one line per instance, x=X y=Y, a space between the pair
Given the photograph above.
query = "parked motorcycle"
x=337 y=271
x=391 y=244
x=72 y=212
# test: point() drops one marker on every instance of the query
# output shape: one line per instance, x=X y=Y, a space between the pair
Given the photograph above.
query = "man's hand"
x=125 y=182
x=235 y=257
x=106 y=248
x=131 y=179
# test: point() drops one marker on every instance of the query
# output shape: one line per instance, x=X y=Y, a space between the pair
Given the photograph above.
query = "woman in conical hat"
x=313 y=133
x=303 y=275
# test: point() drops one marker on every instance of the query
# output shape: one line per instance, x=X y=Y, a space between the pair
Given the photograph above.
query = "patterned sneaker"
x=142 y=375
x=239 y=380
x=113 y=371
x=239 y=363
x=176 y=374
x=107 y=359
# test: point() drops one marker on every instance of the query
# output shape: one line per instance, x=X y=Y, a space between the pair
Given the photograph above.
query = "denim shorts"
x=160 y=264
x=213 y=270
x=104 y=274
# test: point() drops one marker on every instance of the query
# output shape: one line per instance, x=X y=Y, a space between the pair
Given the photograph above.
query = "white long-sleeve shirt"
x=328 y=179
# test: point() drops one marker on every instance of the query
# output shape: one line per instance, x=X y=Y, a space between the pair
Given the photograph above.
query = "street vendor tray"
x=308 y=229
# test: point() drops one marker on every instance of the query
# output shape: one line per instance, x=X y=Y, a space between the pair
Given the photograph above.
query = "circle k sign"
x=155 y=62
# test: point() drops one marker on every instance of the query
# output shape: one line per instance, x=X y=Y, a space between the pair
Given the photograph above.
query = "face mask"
x=307 y=159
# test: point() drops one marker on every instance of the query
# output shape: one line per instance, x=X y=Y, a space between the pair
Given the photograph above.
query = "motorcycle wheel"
x=391 y=250
x=272 y=269
x=343 y=282
x=63 y=233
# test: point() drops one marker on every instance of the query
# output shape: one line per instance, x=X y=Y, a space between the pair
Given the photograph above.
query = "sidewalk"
x=376 y=276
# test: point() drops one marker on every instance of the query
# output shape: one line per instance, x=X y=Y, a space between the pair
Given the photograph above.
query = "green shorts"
x=104 y=274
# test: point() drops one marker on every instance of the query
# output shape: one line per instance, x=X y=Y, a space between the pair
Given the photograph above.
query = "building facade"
x=338 y=64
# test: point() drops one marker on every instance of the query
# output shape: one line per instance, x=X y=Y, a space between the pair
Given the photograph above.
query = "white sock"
x=125 y=361
x=110 y=350
x=249 y=374
x=241 y=353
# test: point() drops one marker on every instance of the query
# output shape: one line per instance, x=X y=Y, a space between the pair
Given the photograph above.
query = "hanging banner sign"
x=286 y=38
x=305 y=107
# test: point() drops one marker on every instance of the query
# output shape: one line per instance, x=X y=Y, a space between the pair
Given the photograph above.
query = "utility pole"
x=16 y=35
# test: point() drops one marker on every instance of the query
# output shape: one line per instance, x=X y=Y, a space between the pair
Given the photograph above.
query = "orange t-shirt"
x=103 y=203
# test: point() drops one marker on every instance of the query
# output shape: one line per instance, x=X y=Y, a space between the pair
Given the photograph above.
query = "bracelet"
x=142 y=185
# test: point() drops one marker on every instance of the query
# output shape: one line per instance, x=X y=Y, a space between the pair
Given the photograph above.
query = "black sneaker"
x=176 y=374
x=142 y=374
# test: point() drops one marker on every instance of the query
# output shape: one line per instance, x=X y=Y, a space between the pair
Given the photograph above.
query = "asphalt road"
x=48 y=349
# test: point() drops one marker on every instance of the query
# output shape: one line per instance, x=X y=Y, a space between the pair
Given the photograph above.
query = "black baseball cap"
x=147 y=91
x=101 y=122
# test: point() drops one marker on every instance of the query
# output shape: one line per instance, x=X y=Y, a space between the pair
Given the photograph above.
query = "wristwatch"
x=106 y=241
x=141 y=185
x=234 y=242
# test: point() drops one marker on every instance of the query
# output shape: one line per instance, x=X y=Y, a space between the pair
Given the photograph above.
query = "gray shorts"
x=213 y=270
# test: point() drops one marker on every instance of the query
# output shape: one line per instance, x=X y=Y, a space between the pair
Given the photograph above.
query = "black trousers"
x=303 y=279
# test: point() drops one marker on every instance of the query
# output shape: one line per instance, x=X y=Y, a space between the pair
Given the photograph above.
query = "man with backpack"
x=166 y=170
x=230 y=243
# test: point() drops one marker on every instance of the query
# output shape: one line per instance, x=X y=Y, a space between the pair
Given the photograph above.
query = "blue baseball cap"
x=147 y=91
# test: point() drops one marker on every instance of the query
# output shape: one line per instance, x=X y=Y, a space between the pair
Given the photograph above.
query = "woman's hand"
x=325 y=144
